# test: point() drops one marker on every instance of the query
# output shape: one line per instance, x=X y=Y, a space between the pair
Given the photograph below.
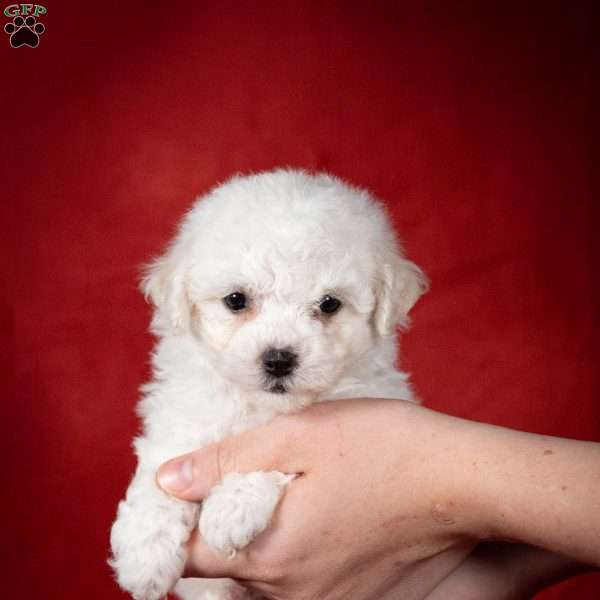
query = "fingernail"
x=176 y=475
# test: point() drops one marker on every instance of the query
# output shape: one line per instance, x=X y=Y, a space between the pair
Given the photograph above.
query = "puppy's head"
x=285 y=279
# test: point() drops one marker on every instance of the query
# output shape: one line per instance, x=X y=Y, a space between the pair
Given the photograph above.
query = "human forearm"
x=536 y=489
x=504 y=571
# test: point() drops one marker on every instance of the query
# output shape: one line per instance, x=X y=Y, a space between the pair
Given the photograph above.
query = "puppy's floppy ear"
x=163 y=283
x=401 y=283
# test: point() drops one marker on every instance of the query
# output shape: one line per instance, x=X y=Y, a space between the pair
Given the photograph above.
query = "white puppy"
x=280 y=289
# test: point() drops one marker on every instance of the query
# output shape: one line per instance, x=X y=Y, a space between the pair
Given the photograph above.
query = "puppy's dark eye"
x=329 y=305
x=235 y=301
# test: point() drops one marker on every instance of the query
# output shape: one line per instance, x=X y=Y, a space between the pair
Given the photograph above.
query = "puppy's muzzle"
x=278 y=362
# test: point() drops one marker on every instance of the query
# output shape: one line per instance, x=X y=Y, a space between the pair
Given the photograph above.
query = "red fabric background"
x=472 y=123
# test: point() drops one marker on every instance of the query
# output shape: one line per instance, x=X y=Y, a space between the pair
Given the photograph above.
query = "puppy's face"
x=285 y=280
x=281 y=320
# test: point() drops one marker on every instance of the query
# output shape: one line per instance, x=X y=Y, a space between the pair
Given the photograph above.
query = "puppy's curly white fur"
x=280 y=289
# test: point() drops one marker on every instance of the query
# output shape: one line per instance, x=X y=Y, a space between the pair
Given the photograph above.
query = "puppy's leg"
x=238 y=509
x=148 y=538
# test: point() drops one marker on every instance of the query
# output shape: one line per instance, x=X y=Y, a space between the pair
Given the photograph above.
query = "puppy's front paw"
x=240 y=508
x=148 y=545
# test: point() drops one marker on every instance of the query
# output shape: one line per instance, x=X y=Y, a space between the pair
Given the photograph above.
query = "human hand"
x=379 y=503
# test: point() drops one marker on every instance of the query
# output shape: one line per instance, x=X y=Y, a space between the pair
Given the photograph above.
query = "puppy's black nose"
x=278 y=362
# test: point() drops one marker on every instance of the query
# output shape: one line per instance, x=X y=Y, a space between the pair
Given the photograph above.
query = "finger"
x=267 y=448
x=206 y=563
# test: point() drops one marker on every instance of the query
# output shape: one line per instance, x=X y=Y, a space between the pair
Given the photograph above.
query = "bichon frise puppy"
x=280 y=289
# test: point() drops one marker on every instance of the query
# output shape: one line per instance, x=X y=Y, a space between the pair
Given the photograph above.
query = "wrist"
x=449 y=459
x=500 y=491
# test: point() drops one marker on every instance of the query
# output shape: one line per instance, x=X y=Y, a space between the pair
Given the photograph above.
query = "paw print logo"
x=24 y=31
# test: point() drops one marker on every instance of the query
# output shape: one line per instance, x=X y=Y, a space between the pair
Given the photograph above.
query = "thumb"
x=266 y=448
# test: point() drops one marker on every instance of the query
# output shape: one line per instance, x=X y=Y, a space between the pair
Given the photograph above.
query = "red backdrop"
x=472 y=123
